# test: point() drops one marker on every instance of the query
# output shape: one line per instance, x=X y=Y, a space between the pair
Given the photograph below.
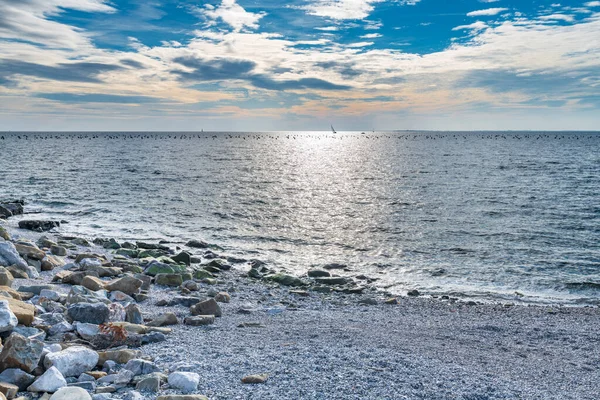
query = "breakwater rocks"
x=72 y=319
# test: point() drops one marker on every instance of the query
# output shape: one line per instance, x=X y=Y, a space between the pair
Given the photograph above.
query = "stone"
x=102 y=396
x=164 y=319
x=146 y=281
x=17 y=377
x=50 y=262
x=149 y=384
x=413 y=293
x=30 y=332
x=23 y=272
x=222 y=297
x=58 y=250
x=30 y=251
x=133 y=314
x=50 y=295
x=87 y=331
x=24 y=312
x=168 y=279
x=197 y=244
x=9 y=255
x=153 y=337
x=335 y=266
x=127 y=284
x=38 y=225
x=72 y=361
x=21 y=352
x=186 y=301
x=202 y=274
x=10 y=292
x=185 y=381
x=92 y=283
x=8 y=390
x=71 y=393
x=91 y=313
x=206 y=307
x=369 y=301
x=121 y=356
x=182 y=397
x=8 y=320
x=96 y=374
x=391 y=300
x=133 y=395
x=6 y=278
x=318 y=273
x=141 y=367
x=190 y=285
x=199 y=320
x=4 y=233
x=334 y=280
x=79 y=294
x=262 y=378
x=285 y=279
x=50 y=381
x=183 y=258
x=121 y=297
x=35 y=289
x=60 y=329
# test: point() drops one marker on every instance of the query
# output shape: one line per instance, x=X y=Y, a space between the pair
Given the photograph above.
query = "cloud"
x=342 y=9
x=476 y=26
x=233 y=15
x=371 y=36
x=593 y=4
x=66 y=72
x=264 y=82
x=96 y=98
x=214 y=69
x=487 y=12
x=557 y=17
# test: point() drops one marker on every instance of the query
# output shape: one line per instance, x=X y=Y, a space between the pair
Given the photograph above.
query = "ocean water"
x=488 y=215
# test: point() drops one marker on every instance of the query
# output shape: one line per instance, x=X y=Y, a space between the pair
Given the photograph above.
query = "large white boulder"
x=9 y=255
x=72 y=361
x=185 y=381
x=71 y=393
x=50 y=381
x=8 y=320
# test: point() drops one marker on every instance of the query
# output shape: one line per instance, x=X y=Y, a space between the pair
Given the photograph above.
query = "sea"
x=490 y=216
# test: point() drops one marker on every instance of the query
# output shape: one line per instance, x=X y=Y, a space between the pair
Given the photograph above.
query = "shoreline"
x=354 y=345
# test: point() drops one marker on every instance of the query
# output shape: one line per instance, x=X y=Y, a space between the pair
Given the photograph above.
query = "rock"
x=73 y=361
x=192 y=286
x=24 y=312
x=96 y=374
x=26 y=272
x=202 y=274
x=168 y=279
x=71 y=393
x=318 y=273
x=6 y=278
x=36 y=289
x=219 y=264
x=335 y=280
x=199 y=320
x=8 y=320
x=369 y=301
x=91 y=313
x=186 y=301
x=17 y=377
x=121 y=297
x=92 y=283
x=121 y=356
x=222 y=297
x=21 y=352
x=255 y=378
x=50 y=262
x=133 y=395
x=285 y=279
x=8 y=390
x=153 y=337
x=391 y=300
x=30 y=251
x=87 y=331
x=10 y=292
x=50 y=381
x=60 y=329
x=197 y=244
x=58 y=250
x=141 y=367
x=79 y=294
x=206 y=307
x=413 y=293
x=185 y=381
x=183 y=258
x=15 y=207
x=164 y=319
x=9 y=255
x=127 y=284
x=334 y=266
x=182 y=397
x=133 y=314
x=4 y=233
x=149 y=384
x=38 y=225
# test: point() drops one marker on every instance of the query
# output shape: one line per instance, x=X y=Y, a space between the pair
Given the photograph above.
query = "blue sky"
x=302 y=64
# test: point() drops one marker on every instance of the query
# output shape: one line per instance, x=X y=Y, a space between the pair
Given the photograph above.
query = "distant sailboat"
x=333 y=130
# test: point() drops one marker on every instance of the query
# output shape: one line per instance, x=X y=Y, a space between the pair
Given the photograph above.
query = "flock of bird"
x=294 y=136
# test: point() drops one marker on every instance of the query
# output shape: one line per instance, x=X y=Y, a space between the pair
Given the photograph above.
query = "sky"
x=256 y=65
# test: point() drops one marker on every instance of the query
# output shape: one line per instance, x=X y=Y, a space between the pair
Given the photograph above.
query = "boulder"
x=127 y=284
x=4 y=233
x=71 y=393
x=133 y=314
x=79 y=294
x=222 y=297
x=335 y=280
x=199 y=320
x=9 y=292
x=8 y=320
x=206 y=307
x=185 y=381
x=92 y=282
x=9 y=255
x=168 y=279
x=50 y=262
x=141 y=367
x=73 y=361
x=91 y=313
x=164 y=319
x=21 y=352
x=262 y=378
x=49 y=382
x=24 y=312
x=318 y=273
x=285 y=279
x=17 y=377
x=197 y=244
x=30 y=251
x=38 y=225
x=9 y=390
x=58 y=250
x=121 y=356
x=149 y=384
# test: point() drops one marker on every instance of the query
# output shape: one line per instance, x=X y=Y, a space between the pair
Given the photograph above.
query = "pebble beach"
x=95 y=318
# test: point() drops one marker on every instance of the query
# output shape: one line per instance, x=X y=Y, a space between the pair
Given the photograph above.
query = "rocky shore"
x=94 y=318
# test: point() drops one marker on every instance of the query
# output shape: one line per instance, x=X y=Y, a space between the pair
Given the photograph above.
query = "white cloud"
x=342 y=9
x=593 y=4
x=359 y=44
x=328 y=28
x=487 y=12
x=479 y=25
x=233 y=15
x=371 y=36
x=556 y=17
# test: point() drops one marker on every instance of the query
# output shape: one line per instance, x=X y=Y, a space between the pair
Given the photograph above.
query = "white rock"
x=71 y=393
x=72 y=361
x=87 y=331
x=185 y=381
x=90 y=262
x=9 y=255
x=8 y=320
x=133 y=395
x=50 y=381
